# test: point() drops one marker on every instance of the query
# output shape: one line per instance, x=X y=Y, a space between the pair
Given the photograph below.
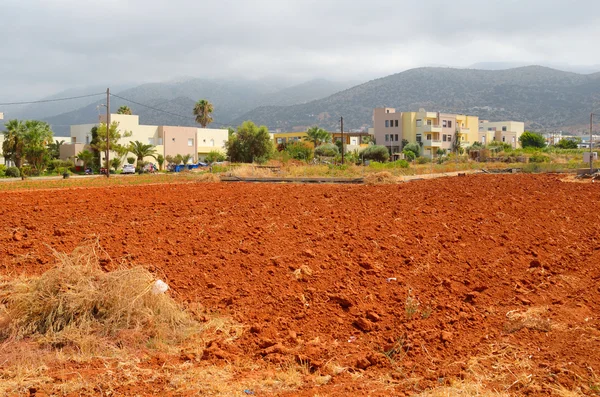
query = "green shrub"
x=299 y=150
x=2 y=170
x=214 y=156
x=532 y=139
x=539 y=158
x=409 y=155
x=12 y=172
x=327 y=150
x=389 y=165
x=413 y=147
x=376 y=153
x=423 y=160
x=130 y=160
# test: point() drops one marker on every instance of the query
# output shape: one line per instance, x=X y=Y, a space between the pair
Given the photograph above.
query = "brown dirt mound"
x=487 y=281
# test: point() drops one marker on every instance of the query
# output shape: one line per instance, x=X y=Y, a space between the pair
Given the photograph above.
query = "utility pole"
x=591 y=136
x=107 y=132
x=342 y=129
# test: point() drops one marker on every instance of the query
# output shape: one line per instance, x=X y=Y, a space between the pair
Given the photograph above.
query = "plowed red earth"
x=430 y=272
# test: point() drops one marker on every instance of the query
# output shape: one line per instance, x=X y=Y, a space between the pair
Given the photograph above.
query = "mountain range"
x=545 y=98
x=171 y=103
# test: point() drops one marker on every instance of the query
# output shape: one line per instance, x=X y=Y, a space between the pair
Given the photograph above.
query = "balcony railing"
x=432 y=142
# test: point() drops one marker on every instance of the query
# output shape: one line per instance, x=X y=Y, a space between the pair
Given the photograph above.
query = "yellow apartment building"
x=432 y=130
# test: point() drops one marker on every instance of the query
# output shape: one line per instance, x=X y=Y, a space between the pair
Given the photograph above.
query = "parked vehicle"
x=128 y=169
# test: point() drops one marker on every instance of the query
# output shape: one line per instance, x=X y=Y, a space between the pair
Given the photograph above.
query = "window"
x=73 y=139
x=449 y=123
x=160 y=141
x=503 y=139
x=419 y=122
x=428 y=137
x=483 y=140
x=387 y=137
x=87 y=139
x=396 y=137
x=387 y=124
x=396 y=123
x=503 y=128
x=444 y=124
x=151 y=141
x=387 y=110
x=279 y=140
x=212 y=142
x=429 y=122
x=491 y=129
x=444 y=137
x=190 y=141
x=419 y=138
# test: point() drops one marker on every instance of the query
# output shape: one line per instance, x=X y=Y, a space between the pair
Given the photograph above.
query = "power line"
x=50 y=100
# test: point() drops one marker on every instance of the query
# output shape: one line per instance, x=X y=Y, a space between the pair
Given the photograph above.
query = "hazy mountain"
x=47 y=109
x=583 y=69
x=231 y=99
x=542 y=97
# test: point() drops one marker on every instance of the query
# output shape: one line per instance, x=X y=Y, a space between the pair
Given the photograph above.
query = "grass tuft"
x=78 y=298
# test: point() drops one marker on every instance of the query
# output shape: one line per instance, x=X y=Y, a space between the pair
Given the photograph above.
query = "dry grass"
x=462 y=389
x=532 y=319
x=77 y=298
x=208 y=177
x=304 y=272
x=250 y=170
x=382 y=178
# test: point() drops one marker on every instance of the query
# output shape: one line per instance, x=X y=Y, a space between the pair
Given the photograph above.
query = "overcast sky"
x=51 y=45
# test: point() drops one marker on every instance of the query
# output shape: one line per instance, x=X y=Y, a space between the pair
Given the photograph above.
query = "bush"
x=376 y=153
x=539 y=158
x=390 y=165
x=299 y=151
x=423 y=160
x=2 y=170
x=214 y=156
x=12 y=172
x=413 y=147
x=327 y=150
x=409 y=155
x=130 y=160
x=567 y=143
x=532 y=139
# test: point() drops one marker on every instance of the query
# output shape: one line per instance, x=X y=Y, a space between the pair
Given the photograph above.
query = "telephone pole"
x=591 y=137
x=342 y=129
x=107 y=132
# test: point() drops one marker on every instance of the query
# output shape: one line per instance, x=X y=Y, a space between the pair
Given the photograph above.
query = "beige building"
x=168 y=140
x=432 y=130
x=501 y=131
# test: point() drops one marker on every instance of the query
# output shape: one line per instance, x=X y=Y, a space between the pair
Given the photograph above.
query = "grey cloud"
x=62 y=43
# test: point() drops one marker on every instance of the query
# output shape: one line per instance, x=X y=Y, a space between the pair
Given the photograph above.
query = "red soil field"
x=411 y=286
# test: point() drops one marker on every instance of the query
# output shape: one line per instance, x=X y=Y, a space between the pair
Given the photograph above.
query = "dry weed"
x=77 y=298
x=208 y=177
x=303 y=273
x=462 y=388
x=381 y=178
x=531 y=319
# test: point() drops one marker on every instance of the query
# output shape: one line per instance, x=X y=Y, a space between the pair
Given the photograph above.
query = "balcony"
x=463 y=130
x=430 y=128
x=432 y=143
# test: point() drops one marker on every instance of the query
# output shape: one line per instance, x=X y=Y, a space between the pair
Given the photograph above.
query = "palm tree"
x=186 y=158
x=203 y=111
x=13 y=145
x=54 y=148
x=124 y=110
x=86 y=157
x=160 y=159
x=141 y=150
x=317 y=136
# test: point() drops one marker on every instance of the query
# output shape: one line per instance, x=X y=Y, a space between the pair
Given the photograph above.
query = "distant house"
x=501 y=131
x=168 y=140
